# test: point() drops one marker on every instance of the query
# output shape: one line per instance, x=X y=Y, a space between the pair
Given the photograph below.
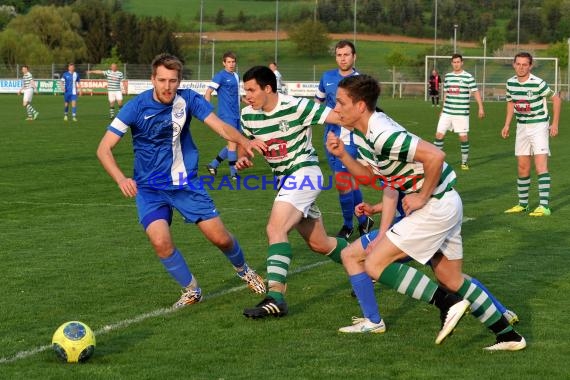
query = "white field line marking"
x=156 y=313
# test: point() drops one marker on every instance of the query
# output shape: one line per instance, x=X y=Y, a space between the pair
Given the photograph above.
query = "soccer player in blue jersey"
x=431 y=230
x=226 y=85
x=165 y=172
x=349 y=196
x=71 y=90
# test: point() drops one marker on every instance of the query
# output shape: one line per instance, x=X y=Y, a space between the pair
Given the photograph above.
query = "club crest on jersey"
x=283 y=125
x=529 y=93
x=178 y=110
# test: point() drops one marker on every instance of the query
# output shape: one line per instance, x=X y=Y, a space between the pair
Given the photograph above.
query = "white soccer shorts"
x=532 y=139
x=28 y=95
x=434 y=227
x=301 y=189
x=455 y=123
x=115 y=96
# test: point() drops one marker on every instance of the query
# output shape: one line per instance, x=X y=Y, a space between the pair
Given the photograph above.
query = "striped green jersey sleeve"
x=389 y=149
x=529 y=99
x=458 y=88
x=287 y=132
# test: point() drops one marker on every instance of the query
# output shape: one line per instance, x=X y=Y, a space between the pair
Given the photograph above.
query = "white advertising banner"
x=10 y=86
x=306 y=89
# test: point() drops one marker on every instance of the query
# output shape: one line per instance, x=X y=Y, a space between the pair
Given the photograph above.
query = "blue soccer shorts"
x=195 y=205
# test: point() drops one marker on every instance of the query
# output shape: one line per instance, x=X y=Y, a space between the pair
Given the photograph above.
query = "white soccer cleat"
x=364 y=325
x=452 y=318
x=507 y=346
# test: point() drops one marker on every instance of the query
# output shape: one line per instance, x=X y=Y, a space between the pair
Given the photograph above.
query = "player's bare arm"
x=556 y=107
x=432 y=160
x=105 y=155
x=229 y=133
x=481 y=113
x=333 y=118
x=508 y=119
x=208 y=94
x=388 y=208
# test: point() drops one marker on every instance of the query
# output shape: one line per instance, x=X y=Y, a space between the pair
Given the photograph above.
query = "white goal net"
x=491 y=73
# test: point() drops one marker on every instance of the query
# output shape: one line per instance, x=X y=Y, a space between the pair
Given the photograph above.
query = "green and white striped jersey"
x=114 y=79
x=27 y=80
x=529 y=99
x=458 y=89
x=287 y=132
x=389 y=149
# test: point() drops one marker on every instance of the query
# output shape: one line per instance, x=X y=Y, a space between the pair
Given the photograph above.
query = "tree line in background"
x=82 y=31
x=45 y=31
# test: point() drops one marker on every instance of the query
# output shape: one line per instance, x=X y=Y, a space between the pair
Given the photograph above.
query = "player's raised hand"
x=335 y=145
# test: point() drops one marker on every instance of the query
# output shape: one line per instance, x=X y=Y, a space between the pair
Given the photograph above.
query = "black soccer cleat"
x=212 y=170
x=366 y=226
x=345 y=232
x=269 y=306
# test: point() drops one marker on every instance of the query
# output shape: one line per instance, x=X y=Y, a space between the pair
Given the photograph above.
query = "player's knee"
x=223 y=240
x=320 y=247
x=349 y=256
x=163 y=247
x=452 y=283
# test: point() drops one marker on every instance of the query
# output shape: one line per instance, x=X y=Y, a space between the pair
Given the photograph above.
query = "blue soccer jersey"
x=226 y=85
x=327 y=93
x=70 y=81
x=165 y=153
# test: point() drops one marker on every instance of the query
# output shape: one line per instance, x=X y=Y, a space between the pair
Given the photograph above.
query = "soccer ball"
x=73 y=342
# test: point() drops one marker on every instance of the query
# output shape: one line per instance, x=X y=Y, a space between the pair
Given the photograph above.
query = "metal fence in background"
x=397 y=82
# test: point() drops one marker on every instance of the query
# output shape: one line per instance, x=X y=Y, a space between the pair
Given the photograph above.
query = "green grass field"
x=71 y=249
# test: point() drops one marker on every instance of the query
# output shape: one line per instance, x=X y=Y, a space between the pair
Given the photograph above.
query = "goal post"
x=491 y=73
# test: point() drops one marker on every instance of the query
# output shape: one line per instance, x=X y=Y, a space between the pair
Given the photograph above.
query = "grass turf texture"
x=71 y=249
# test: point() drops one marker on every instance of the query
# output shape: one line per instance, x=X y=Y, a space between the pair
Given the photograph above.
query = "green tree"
x=495 y=39
x=559 y=50
x=58 y=30
x=96 y=27
x=157 y=36
x=310 y=38
x=126 y=36
x=27 y=48
x=7 y=12
x=220 y=17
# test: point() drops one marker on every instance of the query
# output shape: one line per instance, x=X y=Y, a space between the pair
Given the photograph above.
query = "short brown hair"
x=171 y=62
